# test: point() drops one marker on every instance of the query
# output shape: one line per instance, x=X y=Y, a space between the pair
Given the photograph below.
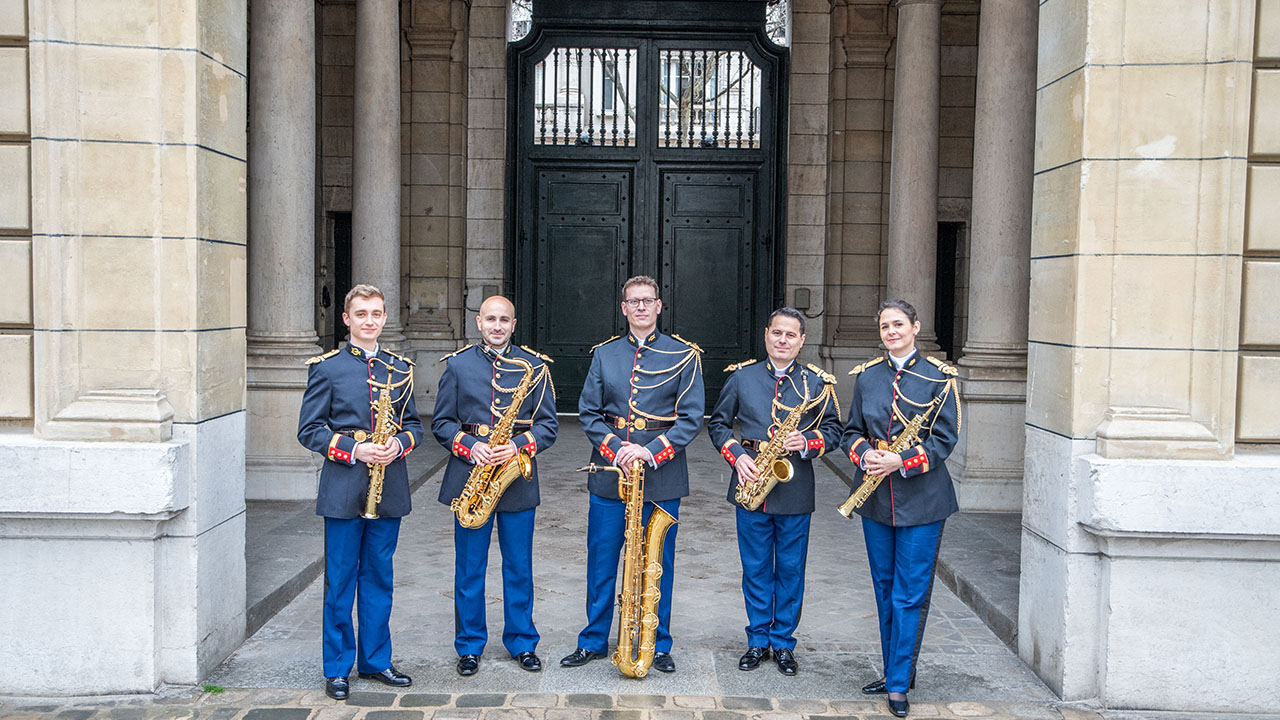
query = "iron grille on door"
x=710 y=99
x=585 y=96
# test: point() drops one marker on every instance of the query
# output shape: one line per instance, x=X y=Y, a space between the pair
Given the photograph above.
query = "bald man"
x=476 y=390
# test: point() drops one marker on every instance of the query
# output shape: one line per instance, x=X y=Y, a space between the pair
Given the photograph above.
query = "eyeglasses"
x=637 y=302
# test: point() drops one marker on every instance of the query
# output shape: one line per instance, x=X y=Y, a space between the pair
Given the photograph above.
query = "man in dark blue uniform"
x=476 y=391
x=642 y=399
x=773 y=540
x=337 y=421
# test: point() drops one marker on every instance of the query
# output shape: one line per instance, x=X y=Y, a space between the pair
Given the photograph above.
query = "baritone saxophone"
x=641 y=572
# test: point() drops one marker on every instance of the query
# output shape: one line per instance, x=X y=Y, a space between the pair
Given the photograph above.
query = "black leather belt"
x=640 y=423
x=358 y=434
x=753 y=444
x=477 y=429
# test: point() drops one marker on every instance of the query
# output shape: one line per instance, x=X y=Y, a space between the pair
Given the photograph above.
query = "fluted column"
x=989 y=459
x=282 y=168
x=375 y=217
x=913 y=180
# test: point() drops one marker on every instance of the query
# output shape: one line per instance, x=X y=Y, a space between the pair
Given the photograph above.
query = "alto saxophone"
x=641 y=573
x=384 y=426
x=486 y=483
x=771 y=460
x=909 y=436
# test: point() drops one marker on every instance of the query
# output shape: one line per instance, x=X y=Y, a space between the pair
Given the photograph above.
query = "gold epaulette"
x=400 y=357
x=531 y=351
x=455 y=352
x=742 y=364
x=606 y=342
x=826 y=376
x=866 y=365
x=319 y=358
x=945 y=368
x=686 y=342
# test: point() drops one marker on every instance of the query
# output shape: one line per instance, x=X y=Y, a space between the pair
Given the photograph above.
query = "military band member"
x=902 y=519
x=773 y=540
x=476 y=390
x=337 y=421
x=643 y=398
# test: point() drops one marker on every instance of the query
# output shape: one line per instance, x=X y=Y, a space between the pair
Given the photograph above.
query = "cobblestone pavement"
x=965 y=671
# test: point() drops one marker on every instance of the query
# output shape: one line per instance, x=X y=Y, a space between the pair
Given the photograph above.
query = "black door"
x=645 y=148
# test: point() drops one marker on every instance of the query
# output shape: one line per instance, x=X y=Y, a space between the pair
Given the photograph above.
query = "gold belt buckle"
x=360 y=436
x=483 y=430
x=639 y=423
x=620 y=423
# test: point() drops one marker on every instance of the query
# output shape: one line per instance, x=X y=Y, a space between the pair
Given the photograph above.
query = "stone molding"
x=130 y=415
x=430 y=43
x=1155 y=432
x=869 y=50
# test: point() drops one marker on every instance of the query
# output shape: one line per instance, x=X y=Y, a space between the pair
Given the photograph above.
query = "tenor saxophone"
x=909 y=436
x=772 y=461
x=641 y=572
x=486 y=483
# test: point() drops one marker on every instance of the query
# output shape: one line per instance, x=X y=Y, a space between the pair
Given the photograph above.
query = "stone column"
x=375 y=217
x=913 y=180
x=281 y=334
x=994 y=363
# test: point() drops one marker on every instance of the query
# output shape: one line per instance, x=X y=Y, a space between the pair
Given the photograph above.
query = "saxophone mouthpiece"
x=590 y=468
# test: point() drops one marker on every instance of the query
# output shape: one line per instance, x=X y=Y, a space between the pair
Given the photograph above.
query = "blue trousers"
x=902 y=561
x=606 y=521
x=471 y=560
x=773 y=549
x=357 y=567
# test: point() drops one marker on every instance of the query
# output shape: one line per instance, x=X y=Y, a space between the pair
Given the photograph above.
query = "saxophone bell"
x=783 y=470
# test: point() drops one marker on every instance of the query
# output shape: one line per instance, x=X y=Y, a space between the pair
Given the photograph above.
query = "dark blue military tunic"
x=640 y=387
x=337 y=412
x=761 y=402
x=884 y=399
x=475 y=391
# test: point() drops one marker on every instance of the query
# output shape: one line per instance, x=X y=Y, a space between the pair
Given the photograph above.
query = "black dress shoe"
x=662 y=662
x=579 y=657
x=391 y=677
x=468 y=665
x=786 y=660
x=337 y=688
x=750 y=659
x=529 y=661
x=899 y=707
x=874 y=688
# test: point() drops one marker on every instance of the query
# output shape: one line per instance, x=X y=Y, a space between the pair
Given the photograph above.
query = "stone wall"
x=1145 y=526
x=122 y=506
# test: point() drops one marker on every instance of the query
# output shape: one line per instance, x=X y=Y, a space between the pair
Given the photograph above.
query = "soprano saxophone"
x=384 y=426
x=909 y=436
x=772 y=461
x=486 y=483
x=641 y=572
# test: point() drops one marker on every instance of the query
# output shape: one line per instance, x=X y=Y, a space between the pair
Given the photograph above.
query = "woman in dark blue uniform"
x=902 y=518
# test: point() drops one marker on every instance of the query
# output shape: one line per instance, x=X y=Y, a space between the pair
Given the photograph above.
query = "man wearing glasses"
x=643 y=398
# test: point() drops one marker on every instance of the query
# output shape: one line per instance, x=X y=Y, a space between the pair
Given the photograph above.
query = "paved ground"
x=966 y=671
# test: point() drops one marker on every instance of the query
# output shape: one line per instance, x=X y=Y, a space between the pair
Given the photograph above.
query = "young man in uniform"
x=337 y=420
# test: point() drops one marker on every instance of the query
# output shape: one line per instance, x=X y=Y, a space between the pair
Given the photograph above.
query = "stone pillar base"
x=277 y=467
x=987 y=463
x=136 y=415
x=136 y=546
x=1146 y=581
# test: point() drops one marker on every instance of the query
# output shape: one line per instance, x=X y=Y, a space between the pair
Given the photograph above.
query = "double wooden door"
x=638 y=154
